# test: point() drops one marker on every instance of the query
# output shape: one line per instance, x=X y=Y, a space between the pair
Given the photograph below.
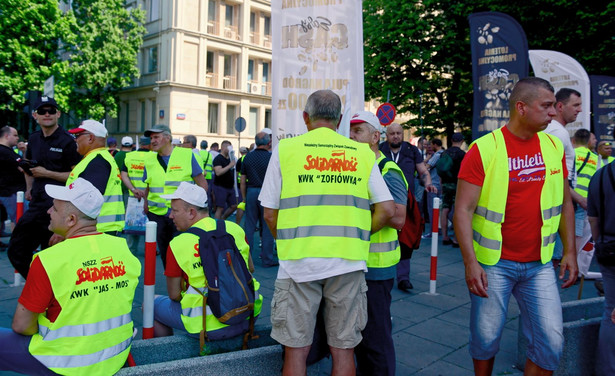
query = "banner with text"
x=603 y=106
x=316 y=45
x=499 y=61
x=563 y=71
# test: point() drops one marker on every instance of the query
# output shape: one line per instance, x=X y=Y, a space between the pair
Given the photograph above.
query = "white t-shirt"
x=558 y=130
x=315 y=268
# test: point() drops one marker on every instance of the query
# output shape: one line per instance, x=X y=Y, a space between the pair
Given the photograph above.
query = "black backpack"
x=230 y=287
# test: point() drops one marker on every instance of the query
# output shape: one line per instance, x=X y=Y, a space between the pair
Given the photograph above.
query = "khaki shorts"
x=294 y=307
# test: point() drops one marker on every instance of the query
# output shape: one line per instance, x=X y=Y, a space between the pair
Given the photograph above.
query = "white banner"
x=317 y=44
x=563 y=71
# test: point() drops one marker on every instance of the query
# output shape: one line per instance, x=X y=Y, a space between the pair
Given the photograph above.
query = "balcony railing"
x=231 y=32
x=267 y=41
x=213 y=27
x=255 y=38
x=229 y=82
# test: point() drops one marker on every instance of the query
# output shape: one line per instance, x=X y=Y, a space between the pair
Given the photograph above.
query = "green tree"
x=29 y=34
x=422 y=46
x=102 y=48
x=90 y=50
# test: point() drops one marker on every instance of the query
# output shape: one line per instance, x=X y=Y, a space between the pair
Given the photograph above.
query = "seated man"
x=73 y=315
x=189 y=209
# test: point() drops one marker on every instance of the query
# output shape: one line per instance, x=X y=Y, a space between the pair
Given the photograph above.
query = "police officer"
x=52 y=153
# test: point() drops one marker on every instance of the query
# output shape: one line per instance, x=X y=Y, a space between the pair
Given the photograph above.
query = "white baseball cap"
x=127 y=141
x=366 y=117
x=80 y=193
x=191 y=193
x=92 y=126
x=267 y=130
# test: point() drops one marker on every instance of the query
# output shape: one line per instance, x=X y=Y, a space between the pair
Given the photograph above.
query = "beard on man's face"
x=395 y=145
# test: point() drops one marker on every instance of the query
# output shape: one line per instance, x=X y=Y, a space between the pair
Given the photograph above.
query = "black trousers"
x=31 y=231
x=376 y=353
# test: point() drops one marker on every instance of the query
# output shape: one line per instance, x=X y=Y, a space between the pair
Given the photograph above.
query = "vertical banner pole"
x=18 y=280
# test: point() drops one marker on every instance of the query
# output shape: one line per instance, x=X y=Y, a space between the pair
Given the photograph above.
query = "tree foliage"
x=91 y=51
x=423 y=46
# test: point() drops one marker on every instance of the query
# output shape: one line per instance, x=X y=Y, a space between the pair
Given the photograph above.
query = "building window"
x=142 y=125
x=267 y=118
x=211 y=11
x=229 y=78
x=150 y=61
x=213 y=118
x=253 y=121
x=210 y=77
x=153 y=10
x=154 y=115
x=230 y=118
x=266 y=88
x=252 y=22
x=228 y=19
x=250 y=75
x=267 y=24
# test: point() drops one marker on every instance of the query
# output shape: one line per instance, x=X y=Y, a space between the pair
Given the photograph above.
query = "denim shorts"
x=535 y=288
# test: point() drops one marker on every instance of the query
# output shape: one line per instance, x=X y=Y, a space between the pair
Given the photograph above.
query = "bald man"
x=409 y=159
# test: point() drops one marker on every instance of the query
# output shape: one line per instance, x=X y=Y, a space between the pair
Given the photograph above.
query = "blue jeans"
x=535 y=288
x=580 y=215
x=254 y=214
x=605 y=363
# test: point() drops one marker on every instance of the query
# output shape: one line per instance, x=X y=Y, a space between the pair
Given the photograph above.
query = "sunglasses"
x=76 y=136
x=43 y=111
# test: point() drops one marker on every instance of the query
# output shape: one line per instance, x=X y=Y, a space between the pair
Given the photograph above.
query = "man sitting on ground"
x=182 y=309
x=73 y=315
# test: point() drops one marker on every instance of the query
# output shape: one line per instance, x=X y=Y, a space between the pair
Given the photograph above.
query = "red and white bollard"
x=434 y=246
x=149 y=277
x=18 y=280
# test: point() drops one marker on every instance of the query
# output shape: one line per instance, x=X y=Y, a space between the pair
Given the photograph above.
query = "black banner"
x=603 y=107
x=499 y=61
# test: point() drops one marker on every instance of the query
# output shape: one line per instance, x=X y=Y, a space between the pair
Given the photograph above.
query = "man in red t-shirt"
x=510 y=204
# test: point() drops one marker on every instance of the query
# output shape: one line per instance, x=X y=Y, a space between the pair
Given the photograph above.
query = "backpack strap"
x=203 y=237
x=584 y=162
x=383 y=162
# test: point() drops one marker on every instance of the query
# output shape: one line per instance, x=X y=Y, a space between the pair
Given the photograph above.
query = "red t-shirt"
x=173 y=270
x=37 y=295
x=521 y=238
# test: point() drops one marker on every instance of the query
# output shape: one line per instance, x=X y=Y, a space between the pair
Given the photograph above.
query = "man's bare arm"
x=271 y=217
x=42 y=172
x=382 y=214
x=200 y=181
x=465 y=205
x=566 y=232
x=174 y=288
x=25 y=322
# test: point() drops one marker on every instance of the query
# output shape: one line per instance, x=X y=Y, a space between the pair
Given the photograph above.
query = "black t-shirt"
x=225 y=180
x=97 y=172
x=58 y=153
x=11 y=179
x=457 y=156
x=254 y=166
x=407 y=158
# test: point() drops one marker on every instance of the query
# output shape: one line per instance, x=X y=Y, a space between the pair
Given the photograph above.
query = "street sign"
x=386 y=113
x=48 y=87
x=240 y=124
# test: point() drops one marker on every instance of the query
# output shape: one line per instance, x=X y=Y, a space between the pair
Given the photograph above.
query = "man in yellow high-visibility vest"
x=317 y=196
x=512 y=199
x=74 y=314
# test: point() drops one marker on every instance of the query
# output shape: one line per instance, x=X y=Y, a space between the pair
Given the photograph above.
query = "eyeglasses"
x=76 y=136
x=43 y=111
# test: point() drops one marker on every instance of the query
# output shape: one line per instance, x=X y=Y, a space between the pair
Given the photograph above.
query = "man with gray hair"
x=318 y=194
x=163 y=175
x=253 y=171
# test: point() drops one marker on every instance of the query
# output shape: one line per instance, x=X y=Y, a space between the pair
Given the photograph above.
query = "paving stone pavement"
x=430 y=331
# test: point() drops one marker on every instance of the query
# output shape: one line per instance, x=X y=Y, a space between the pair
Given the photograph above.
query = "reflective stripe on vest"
x=111 y=217
x=73 y=361
x=135 y=166
x=489 y=214
x=316 y=200
x=324 y=199
x=192 y=298
x=84 y=329
x=94 y=278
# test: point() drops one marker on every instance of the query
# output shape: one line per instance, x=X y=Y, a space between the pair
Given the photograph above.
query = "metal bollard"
x=149 y=277
x=434 y=246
